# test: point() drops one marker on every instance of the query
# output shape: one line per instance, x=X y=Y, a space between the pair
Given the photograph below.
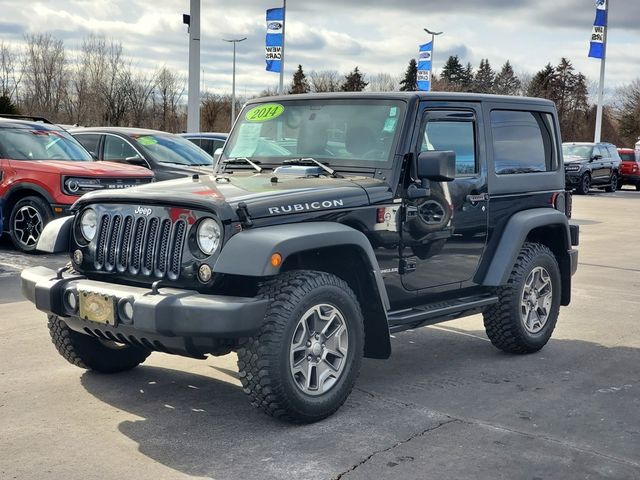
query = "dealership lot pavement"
x=446 y=405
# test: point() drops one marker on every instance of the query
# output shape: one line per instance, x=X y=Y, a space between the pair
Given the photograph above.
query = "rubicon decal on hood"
x=304 y=207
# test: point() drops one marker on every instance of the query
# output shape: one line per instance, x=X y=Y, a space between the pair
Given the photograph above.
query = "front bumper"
x=572 y=178
x=167 y=313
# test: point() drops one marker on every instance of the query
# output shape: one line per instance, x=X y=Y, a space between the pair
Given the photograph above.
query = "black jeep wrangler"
x=330 y=222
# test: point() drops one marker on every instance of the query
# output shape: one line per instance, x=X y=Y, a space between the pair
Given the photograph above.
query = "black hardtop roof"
x=120 y=130
x=16 y=122
x=407 y=96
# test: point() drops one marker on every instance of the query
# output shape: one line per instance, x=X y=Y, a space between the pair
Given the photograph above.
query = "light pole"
x=193 y=101
x=233 y=83
x=433 y=41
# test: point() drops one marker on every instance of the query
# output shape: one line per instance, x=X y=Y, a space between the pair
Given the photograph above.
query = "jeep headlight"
x=208 y=234
x=572 y=167
x=88 y=224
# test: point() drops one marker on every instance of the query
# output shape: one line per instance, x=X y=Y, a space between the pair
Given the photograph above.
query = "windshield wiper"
x=307 y=160
x=239 y=160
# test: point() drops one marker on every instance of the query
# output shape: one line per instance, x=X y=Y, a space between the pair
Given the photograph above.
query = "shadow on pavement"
x=575 y=396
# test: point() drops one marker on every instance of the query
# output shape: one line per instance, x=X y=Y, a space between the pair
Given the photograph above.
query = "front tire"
x=91 y=353
x=303 y=363
x=527 y=310
x=27 y=220
x=585 y=184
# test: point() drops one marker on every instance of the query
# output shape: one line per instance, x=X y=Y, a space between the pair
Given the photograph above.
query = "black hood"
x=263 y=197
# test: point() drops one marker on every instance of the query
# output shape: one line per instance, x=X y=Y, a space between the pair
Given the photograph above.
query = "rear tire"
x=585 y=184
x=527 y=310
x=614 y=183
x=26 y=222
x=91 y=353
x=303 y=363
x=638 y=188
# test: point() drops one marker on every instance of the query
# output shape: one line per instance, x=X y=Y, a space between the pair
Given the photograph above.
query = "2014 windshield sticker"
x=305 y=207
x=264 y=113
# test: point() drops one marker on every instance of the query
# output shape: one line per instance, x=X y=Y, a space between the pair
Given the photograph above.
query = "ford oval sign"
x=274 y=26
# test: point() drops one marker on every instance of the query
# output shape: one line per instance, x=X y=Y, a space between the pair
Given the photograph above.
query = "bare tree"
x=170 y=88
x=45 y=75
x=138 y=87
x=324 y=81
x=10 y=75
x=215 y=112
x=383 y=82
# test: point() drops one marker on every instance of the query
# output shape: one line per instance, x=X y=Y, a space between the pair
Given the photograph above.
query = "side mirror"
x=216 y=155
x=596 y=157
x=136 y=160
x=93 y=155
x=438 y=166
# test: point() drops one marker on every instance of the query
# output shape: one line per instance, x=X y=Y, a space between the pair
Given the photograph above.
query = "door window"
x=89 y=141
x=116 y=148
x=445 y=134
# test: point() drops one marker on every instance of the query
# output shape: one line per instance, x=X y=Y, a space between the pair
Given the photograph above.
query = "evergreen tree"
x=452 y=72
x=7 y=106
x=299 y=83
x=354 y=82
x=410 y=81
x=506 y=82
x=466 y=82
x=541 y=81
x=484 y=79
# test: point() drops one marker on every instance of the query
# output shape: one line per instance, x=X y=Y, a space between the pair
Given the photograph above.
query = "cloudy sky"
x=376 y=35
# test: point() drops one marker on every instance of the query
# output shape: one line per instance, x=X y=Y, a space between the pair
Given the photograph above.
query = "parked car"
x=209 y=142
x=591 y=165
x=168 y=155
x=629 y=168
x=303 y=254
x=43 y=171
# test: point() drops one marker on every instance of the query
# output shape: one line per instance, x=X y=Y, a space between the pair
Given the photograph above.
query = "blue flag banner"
x=275 y=25
x=424 y=66
x=599 y=30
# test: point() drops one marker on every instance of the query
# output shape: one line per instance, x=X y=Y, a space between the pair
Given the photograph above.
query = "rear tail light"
x=568 y=204
x=380 y=214
x=563 y=202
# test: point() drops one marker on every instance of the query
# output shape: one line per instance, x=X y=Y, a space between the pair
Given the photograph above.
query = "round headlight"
x=209 y=234
x=88 y=224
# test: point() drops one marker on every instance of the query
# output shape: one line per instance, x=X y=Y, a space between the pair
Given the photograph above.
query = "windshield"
x=25 y=144
x=627 y=157
x=580 y=151
x=348 y=132
x=173 y=149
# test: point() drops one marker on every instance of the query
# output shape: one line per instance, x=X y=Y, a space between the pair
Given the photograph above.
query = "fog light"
x=204 y=273
x=72 y=301
x=78 y=257
x=126 y=310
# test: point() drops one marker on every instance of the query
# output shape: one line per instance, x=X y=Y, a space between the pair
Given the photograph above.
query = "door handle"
x=482 y=197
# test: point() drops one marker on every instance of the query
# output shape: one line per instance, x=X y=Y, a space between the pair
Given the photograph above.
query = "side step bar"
x=431 y=314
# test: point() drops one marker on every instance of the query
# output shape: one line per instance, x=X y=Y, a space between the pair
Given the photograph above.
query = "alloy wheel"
x=536 y=301
x=28 y=225
x=318 y=349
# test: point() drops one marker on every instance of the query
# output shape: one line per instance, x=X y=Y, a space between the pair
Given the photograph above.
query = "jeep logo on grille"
x=142 y=211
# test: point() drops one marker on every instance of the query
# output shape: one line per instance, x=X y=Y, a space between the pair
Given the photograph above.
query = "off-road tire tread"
x=498 y=322
x=68 y=344
x=257 y=355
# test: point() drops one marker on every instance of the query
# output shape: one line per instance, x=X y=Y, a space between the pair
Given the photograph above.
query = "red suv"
x=629 y=168
x=43 y=171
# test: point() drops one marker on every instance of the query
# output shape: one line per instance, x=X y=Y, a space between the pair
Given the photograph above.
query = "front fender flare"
x=55 y=236
x=248 y=253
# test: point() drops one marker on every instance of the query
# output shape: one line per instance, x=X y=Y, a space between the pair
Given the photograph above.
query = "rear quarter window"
x=523 y=142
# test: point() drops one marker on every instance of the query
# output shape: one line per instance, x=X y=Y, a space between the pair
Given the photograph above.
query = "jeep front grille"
x=150 y=247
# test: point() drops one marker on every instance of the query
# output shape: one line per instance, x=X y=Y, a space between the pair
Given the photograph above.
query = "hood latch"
x=243 y=215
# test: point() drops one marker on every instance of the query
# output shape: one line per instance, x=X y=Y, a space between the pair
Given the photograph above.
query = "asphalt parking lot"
x=446 y=405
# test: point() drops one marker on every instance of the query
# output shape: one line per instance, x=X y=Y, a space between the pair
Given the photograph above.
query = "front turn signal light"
x=276 y=260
